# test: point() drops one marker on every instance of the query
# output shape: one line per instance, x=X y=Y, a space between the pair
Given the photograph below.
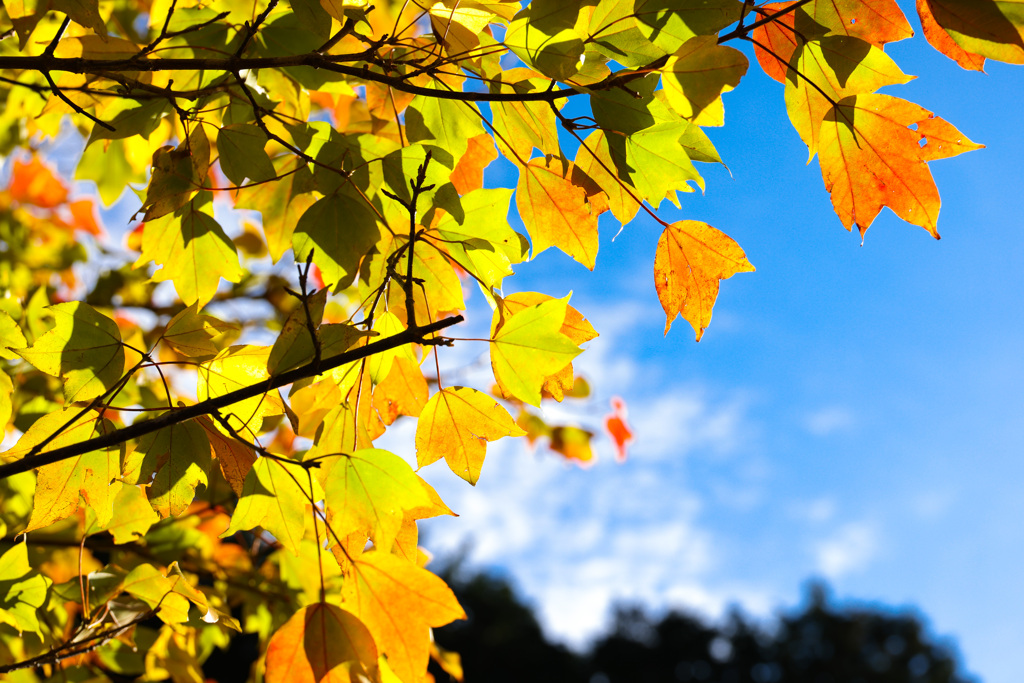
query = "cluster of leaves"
x=174 y=483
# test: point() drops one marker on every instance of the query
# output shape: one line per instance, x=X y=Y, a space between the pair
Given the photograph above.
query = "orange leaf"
x=617 y=428
x=469 y=172
x=321 y=643
x=84 y=213
x=944 y=43
x=871 y=158
x=399 y=602
x=779 y=37
x=691 y=259
x=572 y=443
x=34 y=183
x=556 y=211
x=875 y=21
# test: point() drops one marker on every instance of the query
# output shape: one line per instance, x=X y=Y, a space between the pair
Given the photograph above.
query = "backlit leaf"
x=528 y=346
x=193 y=334
x=697 y=74
x=321 y=643
x=456 y=425
x=370 y=491
x=871 y=158
x=236 y=368
x=83 y=348
x=399 y=602
x=172 y=462
x=944 y=43
x=692 y=258
x=274 y=496
x=989 y=28
x=555 y=210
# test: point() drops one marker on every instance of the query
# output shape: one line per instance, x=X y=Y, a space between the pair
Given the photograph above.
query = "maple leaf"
x=528 y=346
x=321 y=643
x=555 y=210
x=871 y=158
x=274 y=496
x=692 y=258
x=399 y=602
x=84 y=349
x=456 y=425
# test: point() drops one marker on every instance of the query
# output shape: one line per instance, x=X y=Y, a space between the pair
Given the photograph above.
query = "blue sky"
x=853 y=413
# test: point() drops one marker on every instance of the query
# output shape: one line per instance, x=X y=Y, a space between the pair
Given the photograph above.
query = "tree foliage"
x=176 y=476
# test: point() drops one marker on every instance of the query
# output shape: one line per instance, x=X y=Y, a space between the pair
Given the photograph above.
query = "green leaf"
x=543 y=35
x=195 y=335
x=696 y=76
x=448 y=124
x=403 y=165
x=484 y=243
x=528 y=346
x=370 y=491
x=242 y=153
x=274 y=497
x=614 y=29
x=128 y=119
x=173 y=461
x=340 y=229
x=670 y=23
x=194 y=251
x=83 y=348
x=294 y=347
x=23 y=591
x=654 y=162
x=620 y=111
x=281 y=202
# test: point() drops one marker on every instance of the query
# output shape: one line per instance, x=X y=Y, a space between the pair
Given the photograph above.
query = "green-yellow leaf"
x=696 y=76
x=543 y=35
x=146 y=583
x=11 y=336
x=23 y=591
x=242 y=153
x=134 y=516
x=235 y=368
x=195 y=335
x=448 y=124
x=178 y=173
x=670 y=23
x=83 y=348
x=528 y=346
x=275 y=496
x=340 y=229
x=194 y=251
x=456 y=425
x=369 y=492
x=179 y=457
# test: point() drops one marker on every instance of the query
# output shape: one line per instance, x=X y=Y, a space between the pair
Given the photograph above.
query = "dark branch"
x=138 y=429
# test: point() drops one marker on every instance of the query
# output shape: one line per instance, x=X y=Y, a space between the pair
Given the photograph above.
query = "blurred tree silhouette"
x=502 y=641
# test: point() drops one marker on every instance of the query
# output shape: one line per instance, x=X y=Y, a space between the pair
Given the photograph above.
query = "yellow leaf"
x=695 y=77
x=456 y=425
x=556 y=211
x=233 y=369
x=399 y=602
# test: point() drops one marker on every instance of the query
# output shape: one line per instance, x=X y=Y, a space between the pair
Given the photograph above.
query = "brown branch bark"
x=138 y=429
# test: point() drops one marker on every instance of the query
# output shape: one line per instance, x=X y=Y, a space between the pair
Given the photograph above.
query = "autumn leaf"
x=838 y=66
x=697 y=74
x=25 y=590
x=988 y=28
x=691 y=259
x=871 y=158
x=618 y=429
x=456 y=425
x=195 y=335
x=875 y=21
x=61 y=486
x=274 y=496
x=528 y=346
x=178 y=173
x=556 y=212
x=944 y=43
x=84 y=349
x=399 y=601
x=370 y=491
x=194 y=252
x=403 y=392
x=321 y=643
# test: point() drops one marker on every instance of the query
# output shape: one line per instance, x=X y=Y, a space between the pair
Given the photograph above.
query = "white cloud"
x=829 y=420
x=851 y=548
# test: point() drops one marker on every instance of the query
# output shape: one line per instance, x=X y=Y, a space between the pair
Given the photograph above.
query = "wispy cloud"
x=851 y=548
x=829 y=420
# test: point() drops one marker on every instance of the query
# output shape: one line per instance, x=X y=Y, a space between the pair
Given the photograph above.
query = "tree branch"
x=138 y=429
